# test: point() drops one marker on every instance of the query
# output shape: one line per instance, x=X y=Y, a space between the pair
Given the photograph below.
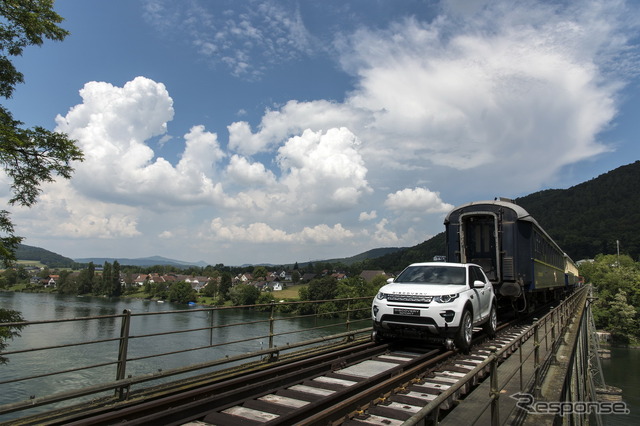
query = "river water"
x=40 y=307
x=622 y=370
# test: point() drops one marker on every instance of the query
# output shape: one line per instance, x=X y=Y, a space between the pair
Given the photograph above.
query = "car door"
x=485 y=294
x=475 y=296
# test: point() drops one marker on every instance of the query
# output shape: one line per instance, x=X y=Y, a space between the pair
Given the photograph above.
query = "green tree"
x=6 y=333
x=181 y=292
x=260 y=272
x=106 y=282
x=224 y=287
x=244 y=294
x=10 y=276
x=355 y=287
x=86 y=279
x=378 y=281
x=324 y=288
x=29 y=156
x=211 y=289
x=623 y=324
x=303 y=293
x=616 y=280
x=116 y=286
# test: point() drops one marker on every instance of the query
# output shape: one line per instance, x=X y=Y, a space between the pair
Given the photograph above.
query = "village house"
x=50 y=281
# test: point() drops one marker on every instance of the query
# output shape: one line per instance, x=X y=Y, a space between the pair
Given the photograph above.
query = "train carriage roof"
x=521 y=214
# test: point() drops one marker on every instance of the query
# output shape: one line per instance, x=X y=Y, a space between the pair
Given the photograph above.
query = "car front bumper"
x=416 y=321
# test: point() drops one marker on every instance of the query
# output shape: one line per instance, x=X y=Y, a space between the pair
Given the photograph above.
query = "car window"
x=476 y=274
x=432 y=275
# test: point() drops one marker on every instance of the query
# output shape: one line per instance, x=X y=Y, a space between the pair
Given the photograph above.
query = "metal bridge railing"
x=547 y=333
x=350 y=314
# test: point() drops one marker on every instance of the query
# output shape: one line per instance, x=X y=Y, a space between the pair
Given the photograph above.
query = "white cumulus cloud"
x=417 y=200
x=113 y=126
x=324 y=171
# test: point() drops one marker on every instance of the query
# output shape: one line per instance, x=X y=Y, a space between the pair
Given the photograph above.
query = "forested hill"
x=588 y=218
x=585 y=220
x=51 y=259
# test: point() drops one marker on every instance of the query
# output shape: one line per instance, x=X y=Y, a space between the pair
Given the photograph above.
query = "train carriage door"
x=479 y=243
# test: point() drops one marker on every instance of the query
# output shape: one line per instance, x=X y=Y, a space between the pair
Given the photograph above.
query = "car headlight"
x=381 y=296
x=446 y=298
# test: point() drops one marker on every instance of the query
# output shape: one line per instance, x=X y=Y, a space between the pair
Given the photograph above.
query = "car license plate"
x=400 y=311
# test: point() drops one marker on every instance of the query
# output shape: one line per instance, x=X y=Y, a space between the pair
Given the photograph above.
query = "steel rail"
x=337 y=407
x=185 y=405
x=127 y=383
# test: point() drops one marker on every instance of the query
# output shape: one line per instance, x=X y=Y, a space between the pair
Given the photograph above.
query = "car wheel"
x=492 y=323
x=465 y=331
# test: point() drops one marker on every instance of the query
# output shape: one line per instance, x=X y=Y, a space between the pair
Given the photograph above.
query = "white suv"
x=436 y=299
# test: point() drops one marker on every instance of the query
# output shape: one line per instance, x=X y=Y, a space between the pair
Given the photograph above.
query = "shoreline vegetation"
x=290 y=294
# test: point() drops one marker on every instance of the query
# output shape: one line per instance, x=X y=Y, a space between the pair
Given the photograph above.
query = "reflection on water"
x=36 y=307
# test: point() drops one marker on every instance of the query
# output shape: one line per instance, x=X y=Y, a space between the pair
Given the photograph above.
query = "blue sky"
x=280 y=131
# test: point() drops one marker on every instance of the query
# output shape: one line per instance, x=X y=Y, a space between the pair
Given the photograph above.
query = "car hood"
x=422 y=289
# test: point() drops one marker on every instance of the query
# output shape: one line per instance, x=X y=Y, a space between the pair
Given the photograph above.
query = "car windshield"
x=427 y=274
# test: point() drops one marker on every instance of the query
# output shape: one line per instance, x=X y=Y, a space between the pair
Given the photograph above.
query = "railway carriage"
x=522 y=261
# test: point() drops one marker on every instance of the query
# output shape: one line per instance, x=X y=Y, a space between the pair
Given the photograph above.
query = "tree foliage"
x=6 y=333
x=325 y=288
x=617 y=284
x=589 y=218
x=244 y=294
x=29 y=156
x=181 y=292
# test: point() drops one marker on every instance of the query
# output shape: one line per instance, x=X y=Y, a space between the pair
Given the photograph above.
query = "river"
x=622 y=370
x=44 y=306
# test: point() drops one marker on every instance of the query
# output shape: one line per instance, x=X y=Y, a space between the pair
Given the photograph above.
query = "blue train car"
x=518 y=256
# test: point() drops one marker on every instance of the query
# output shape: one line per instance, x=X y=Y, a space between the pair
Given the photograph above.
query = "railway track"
x=367 y=383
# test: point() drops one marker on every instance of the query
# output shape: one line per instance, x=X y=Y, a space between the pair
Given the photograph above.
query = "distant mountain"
x=49 y=258
x=370 y=254
x=398 y=260
x=142 y=261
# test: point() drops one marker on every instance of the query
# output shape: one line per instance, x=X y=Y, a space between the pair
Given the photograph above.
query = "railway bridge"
x=542 y=370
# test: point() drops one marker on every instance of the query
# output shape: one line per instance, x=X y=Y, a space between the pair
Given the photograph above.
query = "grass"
x=291 y=292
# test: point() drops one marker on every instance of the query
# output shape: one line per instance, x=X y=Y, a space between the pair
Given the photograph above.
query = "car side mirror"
x=478 y=284
x=389 y=280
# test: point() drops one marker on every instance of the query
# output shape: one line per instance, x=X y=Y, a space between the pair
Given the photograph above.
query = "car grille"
x=411 y=298
x=396 y=321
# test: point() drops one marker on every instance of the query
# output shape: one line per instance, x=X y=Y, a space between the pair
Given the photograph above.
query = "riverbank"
x=290 y=294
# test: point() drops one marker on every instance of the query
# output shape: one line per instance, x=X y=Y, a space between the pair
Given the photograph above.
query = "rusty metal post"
x=349 y=315
x=536 y=357
x=211 y=326
x=272 y=324
x=553 y=325
x=521 y=364
x=495 y=392
x=122 y=351
x=546 y=334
